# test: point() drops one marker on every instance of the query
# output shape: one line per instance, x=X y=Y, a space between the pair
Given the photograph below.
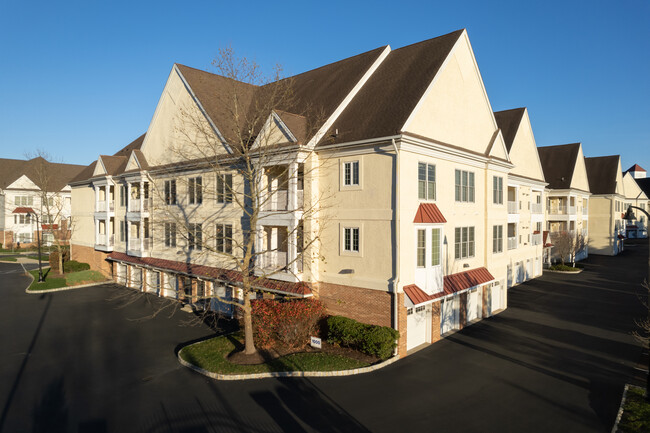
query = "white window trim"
x=350 y=225
x=343 y=161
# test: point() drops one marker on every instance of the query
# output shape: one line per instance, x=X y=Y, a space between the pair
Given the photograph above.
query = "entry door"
x=529 y=269
x=171 y=286
x=496 y=298
x=121 y=274
x=538 y=266
x=153 y=281
x=416 y=326
x=136 y=278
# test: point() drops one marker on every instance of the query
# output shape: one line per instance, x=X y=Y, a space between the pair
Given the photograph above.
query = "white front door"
x=121 y=274
x=136 y=278
x=153 y=281
x=170 y=286
x=538 y=266
x=473 y=305
x=417 y=322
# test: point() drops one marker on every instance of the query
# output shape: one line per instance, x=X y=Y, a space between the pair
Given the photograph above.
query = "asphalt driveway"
x=556 y=360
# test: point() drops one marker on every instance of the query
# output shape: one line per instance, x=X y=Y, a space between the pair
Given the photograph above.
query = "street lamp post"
x=629 y=216
x=38 y=239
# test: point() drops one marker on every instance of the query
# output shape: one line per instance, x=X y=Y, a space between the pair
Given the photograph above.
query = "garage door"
x=170 y=286
x=497 y=295
x=416 y=326
x=153 y=281
x=136 y=278
x=473 y=305
x=121 y=274
x=448 y=315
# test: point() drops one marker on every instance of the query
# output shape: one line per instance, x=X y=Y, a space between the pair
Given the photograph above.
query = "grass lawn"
x=211 y=355
x=636 y=412
x=44 y=258
x=57 y=281
x=7 y=259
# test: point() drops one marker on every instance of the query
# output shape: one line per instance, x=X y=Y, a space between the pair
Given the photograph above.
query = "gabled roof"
x=428 y=213
x=602 y=172
x=635 y=167
x=135 y=144
x=114 y=164
x=452 y=284
x=49 y=176
x=508 y=121
x=644 y=184
x=386 y=100
x=559 y=163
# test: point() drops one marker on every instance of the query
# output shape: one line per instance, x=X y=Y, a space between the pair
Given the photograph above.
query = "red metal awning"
x=453 y=283
x=428 y=213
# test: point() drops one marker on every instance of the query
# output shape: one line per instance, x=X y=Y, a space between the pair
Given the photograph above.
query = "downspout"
x=397 y=232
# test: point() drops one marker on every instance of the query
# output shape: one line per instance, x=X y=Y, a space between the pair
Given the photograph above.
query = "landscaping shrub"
x=290 y=323
x=564 y=268
x=54 y=259
x=75 y=266
x=379 y=341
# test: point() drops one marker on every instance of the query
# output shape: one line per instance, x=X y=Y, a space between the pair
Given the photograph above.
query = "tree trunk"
x=248 y=325
x=61 y=261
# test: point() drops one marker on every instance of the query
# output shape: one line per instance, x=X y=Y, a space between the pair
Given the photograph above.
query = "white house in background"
x=635 y=196
x=22 y=184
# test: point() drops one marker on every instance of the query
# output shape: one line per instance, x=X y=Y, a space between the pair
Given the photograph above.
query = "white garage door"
x=153 y=281
x=448 y=315
x=136 y=278
x=416 y=326
x=473 y=305
x=497 y=295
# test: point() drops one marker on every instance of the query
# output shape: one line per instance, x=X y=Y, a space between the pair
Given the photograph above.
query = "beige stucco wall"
x=456 y=109
x=83 y=209
x=523 y=153
x=580 y=180
x=601 y=225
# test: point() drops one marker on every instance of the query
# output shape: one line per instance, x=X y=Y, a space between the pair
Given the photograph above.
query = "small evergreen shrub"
x=563 y=268
x=379 y=341
x=75 y=266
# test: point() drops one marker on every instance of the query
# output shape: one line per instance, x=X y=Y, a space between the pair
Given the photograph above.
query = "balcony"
x=140 y=205
x=512 y=243
x=104 y=242
x=537 y=208
x=513 y=208
x=572 y=210
x=139 y=247
x=536 y=239
x=277 y=201
x=105 y=205
x=272 y=261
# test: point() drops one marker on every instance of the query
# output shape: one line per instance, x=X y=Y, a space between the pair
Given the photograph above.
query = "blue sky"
x=82 y=78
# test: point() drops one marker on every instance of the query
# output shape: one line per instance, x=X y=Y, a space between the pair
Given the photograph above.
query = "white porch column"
x=292 y=246
x=96 y=231
x=259 y=246
x=293 y=186
x=128 y=196
x=96 y=198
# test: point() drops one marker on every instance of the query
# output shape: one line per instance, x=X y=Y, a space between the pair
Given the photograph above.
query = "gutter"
x=397 y=239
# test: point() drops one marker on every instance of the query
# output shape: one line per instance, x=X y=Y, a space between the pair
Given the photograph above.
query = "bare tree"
x=564 y=244
x=255 y=182
x=54 y=214
x=642 y=335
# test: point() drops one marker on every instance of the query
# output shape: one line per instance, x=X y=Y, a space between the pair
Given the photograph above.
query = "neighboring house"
x=524 y=196
x=568 y=208
x=607 y=207
x=634 y=196
x=22 y=187
x=401 y=246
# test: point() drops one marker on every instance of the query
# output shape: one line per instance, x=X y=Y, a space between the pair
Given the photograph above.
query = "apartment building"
x=606 y=223
x=568 y=194
x=23 y=186
x=372 y=175
x=525 y=195
x=634 y=196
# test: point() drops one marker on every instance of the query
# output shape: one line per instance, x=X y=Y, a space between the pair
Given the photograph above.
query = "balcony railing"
x=513 y=208
x=512 y=243
x=536 y=208
x=277 y=201
x=273 y=260
x=137 y=205
x=572 y=210
x=107 y=240
x=536 y=239
x=558 y=210
x=102 y=205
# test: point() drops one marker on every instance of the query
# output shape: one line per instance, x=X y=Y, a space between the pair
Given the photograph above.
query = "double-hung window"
x=464 y=186
x=422 y=247
x=351 y=173
x=170 y=234
x=195 y=237
x=224 y=188
x=351 y=239
x=195 y=190
x=435 y=247
x=426 y=181
x=464 y=242
x=24 y=200
x=224 y=238
x=122 y=195
x=497 y=190
x=497 y=239
x=170 y=191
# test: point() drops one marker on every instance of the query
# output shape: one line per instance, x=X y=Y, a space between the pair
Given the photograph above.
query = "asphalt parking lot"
x=556 y=360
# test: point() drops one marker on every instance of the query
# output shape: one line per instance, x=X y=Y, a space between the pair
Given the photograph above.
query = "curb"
x=219 y=376
x=620 y=409
x=564 y=272
x=61 y=289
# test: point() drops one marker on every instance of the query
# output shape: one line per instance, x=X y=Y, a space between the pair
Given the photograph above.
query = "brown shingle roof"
x=49 y=176
x=509 y=121
x=558 y=163
x=384 y=103
x=602 y=172
x=295 y=289
x=114 y=164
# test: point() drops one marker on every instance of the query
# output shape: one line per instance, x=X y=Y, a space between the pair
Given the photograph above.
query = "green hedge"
x=379 y=341
x=75 y=266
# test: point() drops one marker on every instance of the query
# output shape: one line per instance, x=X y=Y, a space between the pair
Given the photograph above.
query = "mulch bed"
x=265 y=355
